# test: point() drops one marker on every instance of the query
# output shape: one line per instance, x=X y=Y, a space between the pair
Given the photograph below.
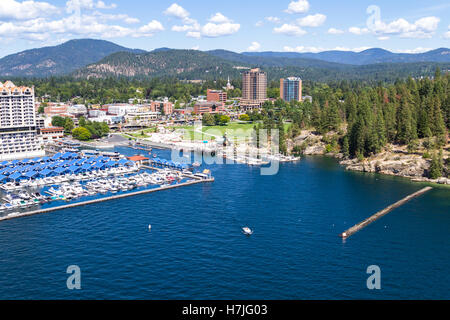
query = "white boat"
x=247 y=231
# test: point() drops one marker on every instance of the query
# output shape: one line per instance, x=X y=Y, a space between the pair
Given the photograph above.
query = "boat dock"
x=115 y=197
x=382 y=213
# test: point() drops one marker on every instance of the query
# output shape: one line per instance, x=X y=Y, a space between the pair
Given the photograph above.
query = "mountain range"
x=58 y=60
x=86 y=58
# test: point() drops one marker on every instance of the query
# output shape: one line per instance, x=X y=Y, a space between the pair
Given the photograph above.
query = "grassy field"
x=234 y=130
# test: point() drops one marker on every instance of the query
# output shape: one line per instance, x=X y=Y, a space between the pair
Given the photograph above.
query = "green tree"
x=437 y=166
x=81 y=133
x=58 y=121
x=208 y=119
x=68 y=125
x=244 y=117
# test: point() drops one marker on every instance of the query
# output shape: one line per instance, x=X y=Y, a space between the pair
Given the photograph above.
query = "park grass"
x=234 y=131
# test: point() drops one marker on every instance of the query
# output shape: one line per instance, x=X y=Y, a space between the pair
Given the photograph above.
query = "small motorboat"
x=247 y=231
x=196 y=164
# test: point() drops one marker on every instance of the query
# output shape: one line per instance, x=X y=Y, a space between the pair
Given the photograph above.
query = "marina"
x=100 y=200
x=42 y=184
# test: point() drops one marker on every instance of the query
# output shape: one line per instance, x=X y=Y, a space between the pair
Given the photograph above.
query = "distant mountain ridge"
x=219 y=64
x=58 y=60
x=99 y=58
x=370 y=56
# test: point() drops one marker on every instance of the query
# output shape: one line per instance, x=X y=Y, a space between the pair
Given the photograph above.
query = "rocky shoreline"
x=395 y=162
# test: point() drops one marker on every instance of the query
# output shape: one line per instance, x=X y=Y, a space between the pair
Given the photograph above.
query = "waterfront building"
x=216 y=96
x=52 y=134
x=18 y=133
x=254 y=89
x=202 y=107
x=291 y=89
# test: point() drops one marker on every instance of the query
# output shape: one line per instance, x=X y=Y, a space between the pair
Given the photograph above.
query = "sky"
x=409 y=26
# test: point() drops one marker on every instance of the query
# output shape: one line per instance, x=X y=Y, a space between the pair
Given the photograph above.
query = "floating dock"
x=89 y=202
x=382 y=213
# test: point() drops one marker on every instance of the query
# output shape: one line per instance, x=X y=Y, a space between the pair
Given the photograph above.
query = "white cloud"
x=300 y=6
x=358 y=31
x=195 y=48
x=219 y=18
x=76 y=5
x=416 y=50
x=289 y=30
x=421 y=28
x=194 y=34
x=151 y=28
x=88 y=25
x=303 y=49
x=447 y=34
x=218 y=25
x=185 y=28
x=259 y=24
x=102 y=5
x=315 y=20
x=273 y=19
x=255 y=46
x=335 y=31
x=177 y=11
x=213 y=30
x=383 y=38
x=14 y=10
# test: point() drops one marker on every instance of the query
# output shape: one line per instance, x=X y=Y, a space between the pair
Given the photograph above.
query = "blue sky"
x=237 y=25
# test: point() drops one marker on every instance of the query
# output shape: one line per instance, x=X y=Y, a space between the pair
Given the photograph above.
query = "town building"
x=52 y=134
x=291 y=89
x=141 y=117
x=229 y=85
x=216 y=96
x=120 y=109
x=254 y=89
x=163 y=107
x=18 y=133
x=77 y=110
x=55 y=109
x=202 y=107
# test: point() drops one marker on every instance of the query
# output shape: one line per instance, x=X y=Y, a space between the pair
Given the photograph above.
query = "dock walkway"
x=89 y=202
x=382 y=213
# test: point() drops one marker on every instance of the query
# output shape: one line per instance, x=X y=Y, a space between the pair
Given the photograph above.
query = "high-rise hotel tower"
x=291 y=89
x=18 y=133
x=254 y=88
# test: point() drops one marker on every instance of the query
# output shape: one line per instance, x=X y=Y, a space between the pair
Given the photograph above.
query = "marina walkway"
x=120 y=196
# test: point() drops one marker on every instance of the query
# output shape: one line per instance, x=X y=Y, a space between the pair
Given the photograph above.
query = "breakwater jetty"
x=115 y=197
x=382 y=213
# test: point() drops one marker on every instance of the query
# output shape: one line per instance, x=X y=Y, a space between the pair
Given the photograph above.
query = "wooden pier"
x=120 y=196
x=382 y=213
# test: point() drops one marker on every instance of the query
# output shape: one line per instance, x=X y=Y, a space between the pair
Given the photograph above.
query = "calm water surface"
x=197 y=251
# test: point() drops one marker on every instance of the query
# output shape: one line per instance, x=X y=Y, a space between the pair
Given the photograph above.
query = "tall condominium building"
x=254 y=88
x=291 y=89
x=18 y=132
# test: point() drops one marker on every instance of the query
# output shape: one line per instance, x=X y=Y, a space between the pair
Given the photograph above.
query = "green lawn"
x=234 y=130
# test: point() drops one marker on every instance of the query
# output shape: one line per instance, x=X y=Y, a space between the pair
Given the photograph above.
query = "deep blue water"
x=196 y=249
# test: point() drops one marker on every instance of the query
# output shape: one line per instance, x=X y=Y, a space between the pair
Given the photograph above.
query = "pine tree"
x=437 y=166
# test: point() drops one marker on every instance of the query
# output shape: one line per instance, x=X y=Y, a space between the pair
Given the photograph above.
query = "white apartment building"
x=18 y=133
x=122 y=109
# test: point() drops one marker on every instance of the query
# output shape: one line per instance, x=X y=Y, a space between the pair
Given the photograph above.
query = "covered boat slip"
x=157 y=162
x=57 y=165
